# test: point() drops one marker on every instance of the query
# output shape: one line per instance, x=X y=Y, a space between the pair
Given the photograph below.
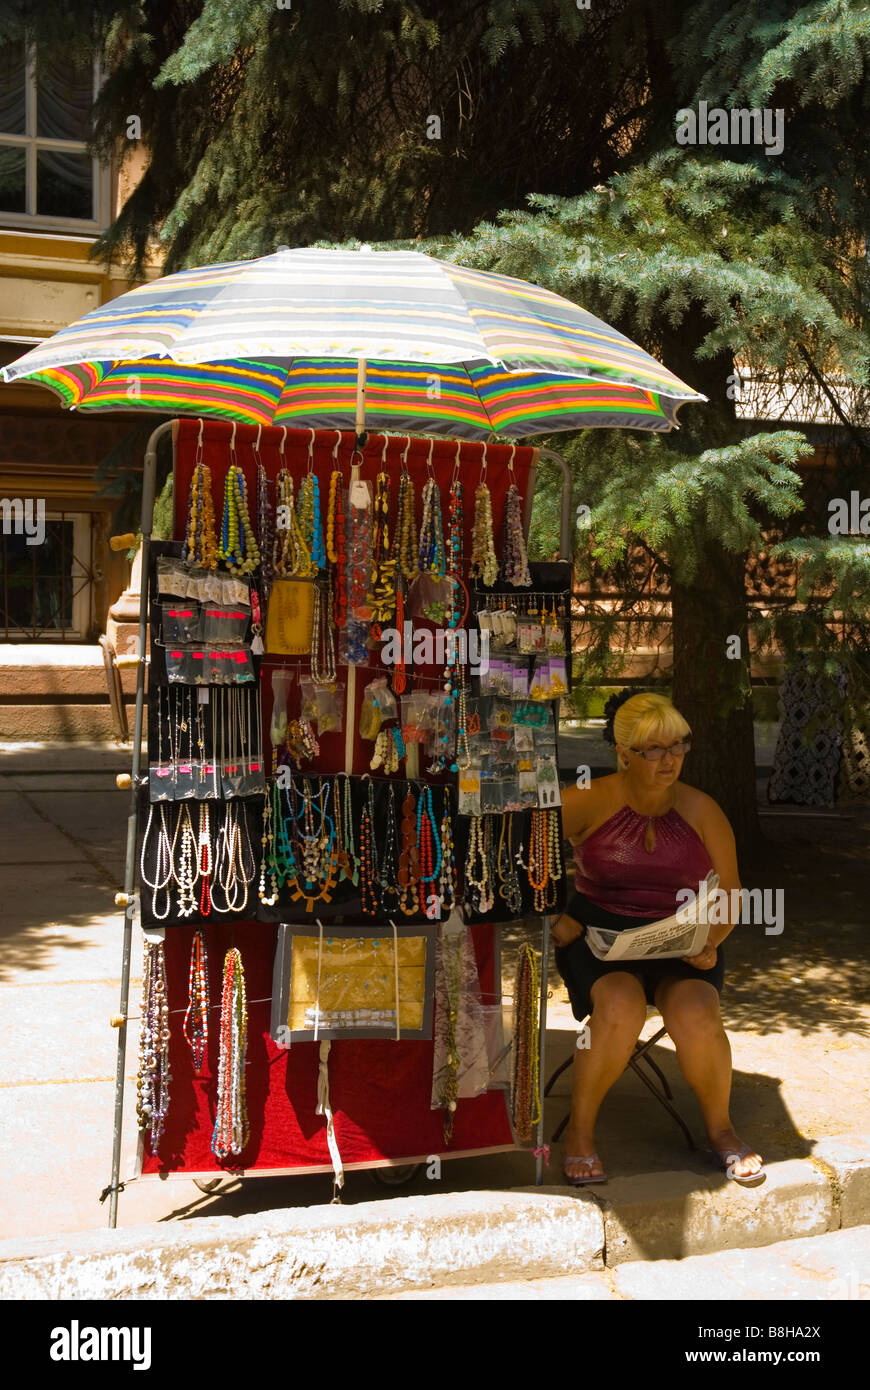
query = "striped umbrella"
x=385 y=340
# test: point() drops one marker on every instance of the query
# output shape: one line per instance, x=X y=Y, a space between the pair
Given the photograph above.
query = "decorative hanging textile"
x=461 y=1065
x=853 y=783
x=805 y=774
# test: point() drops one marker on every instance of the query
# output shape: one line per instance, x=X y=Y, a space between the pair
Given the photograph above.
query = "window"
x=46 y=590
x=47 y=178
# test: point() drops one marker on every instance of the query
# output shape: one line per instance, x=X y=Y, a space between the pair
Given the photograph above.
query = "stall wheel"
x=395 y=1177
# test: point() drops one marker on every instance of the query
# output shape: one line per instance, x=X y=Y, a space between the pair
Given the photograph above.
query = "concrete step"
x=449 y=1239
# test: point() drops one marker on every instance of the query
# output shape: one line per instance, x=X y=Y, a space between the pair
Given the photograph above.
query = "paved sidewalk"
x=796 y=1007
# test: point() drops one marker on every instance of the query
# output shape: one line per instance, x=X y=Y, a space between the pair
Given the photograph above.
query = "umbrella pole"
x=127 y=899
x=564 y=554
x=359 y=444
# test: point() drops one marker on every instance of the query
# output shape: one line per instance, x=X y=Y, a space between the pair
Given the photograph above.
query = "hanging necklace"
x=509 y=882
x=409 y=858
x=238 y=548
x=429 y=849
x=348 y=857
x=483 y=565
x=478 y=872
x=336 y=551
x=406 y=561
x=200 y=540
x=515 y=560
x=368 y=873
x=204 y=859
x=163 y=863
x=323 y=635
x=448 y=864
x=382 y=598
x=431 y=531
x=267 y=858
x=389 y=867
x=231 y=1121
x=152 y=1086
x=310 y=524
x=185 y=869
x=196 y=1018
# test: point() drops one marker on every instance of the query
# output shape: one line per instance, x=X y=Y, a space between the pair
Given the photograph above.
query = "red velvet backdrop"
x=380 y=1090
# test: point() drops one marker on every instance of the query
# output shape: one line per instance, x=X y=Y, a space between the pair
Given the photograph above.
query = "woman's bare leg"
x=619 y=1012
x=690 y=1012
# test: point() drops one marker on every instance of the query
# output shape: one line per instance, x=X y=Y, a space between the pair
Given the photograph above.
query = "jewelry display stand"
x=212 y=840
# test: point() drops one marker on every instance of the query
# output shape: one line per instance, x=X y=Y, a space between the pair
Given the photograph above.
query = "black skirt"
x=580 y=969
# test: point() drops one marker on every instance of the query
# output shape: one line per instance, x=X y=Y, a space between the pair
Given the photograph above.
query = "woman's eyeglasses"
x=655 y=754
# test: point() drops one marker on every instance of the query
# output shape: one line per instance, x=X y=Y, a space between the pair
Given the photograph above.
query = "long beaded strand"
x=525 y=1092
x=200 y=540
x=152 y=1087
x=483 y=564
x=238 y=548
x=515 y=560
x=231 y=1121
x=196 y=1018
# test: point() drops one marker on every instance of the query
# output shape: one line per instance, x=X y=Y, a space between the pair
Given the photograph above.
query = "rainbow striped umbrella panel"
x=278 y=341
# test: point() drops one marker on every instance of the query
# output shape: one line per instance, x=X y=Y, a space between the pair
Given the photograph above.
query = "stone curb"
x=406 y=1243
x=316 y=1252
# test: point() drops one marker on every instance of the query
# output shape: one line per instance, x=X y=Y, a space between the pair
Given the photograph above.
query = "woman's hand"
x=705 y=960
x=566 y=930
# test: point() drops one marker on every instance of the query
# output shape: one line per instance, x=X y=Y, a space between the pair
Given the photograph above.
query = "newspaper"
x=684 y=934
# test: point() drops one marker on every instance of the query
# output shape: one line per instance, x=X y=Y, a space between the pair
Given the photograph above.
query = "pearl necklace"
x=163 y=874
x=479 y=848
x=185 y=870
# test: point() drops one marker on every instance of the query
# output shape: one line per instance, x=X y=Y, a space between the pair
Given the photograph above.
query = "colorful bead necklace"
x=231 y=1130
x=200 y=540
x=195 y=1025
x=152 y=1087
x=238 y=548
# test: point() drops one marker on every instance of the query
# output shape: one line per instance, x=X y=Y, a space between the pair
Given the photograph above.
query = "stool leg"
x=662 y=1101
x=661 y=1076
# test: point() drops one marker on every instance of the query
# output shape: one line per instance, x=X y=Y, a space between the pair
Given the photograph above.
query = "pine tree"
x=558 y=162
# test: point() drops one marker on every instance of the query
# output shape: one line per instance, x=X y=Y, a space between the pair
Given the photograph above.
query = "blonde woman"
x=639 y=836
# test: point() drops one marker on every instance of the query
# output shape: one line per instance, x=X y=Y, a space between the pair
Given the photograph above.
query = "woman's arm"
x=715 y=830
x=578 y=809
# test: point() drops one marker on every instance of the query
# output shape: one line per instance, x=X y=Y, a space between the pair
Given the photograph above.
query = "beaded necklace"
x=347 y=857
x=368 y=877
x=310 y=525
x=409 y=858
x=265 y=523
x=544 y=866
x=152 y=1086
x=429 y=849
x=525 y=1090
x=382 y=598
x=431 y=551
x=323 y=635
x=389 y=866
x=478 y=889
x=448 y=863
x=509 y=881
x=267 y=858
x=406 y=562
x=450 y=948
x=185 y=870
x=316 y=856
x=515 y=560
x=195 y=1025
x=238 y=548
x=336 y=551
x=231 y=1129
x=163 y=870
x=483 y=565
x=204 y=858
x=200 y=541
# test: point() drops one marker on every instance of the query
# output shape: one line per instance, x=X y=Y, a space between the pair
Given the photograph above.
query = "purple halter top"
x=618 y=873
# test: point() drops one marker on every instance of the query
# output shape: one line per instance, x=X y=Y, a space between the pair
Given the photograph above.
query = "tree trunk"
x=711 y=687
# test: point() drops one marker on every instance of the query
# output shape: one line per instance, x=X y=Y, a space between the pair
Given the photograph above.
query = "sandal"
x=725 y=1159
x=581 y=1158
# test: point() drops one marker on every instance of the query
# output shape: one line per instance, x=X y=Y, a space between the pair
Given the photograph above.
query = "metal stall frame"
x=128 y=897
